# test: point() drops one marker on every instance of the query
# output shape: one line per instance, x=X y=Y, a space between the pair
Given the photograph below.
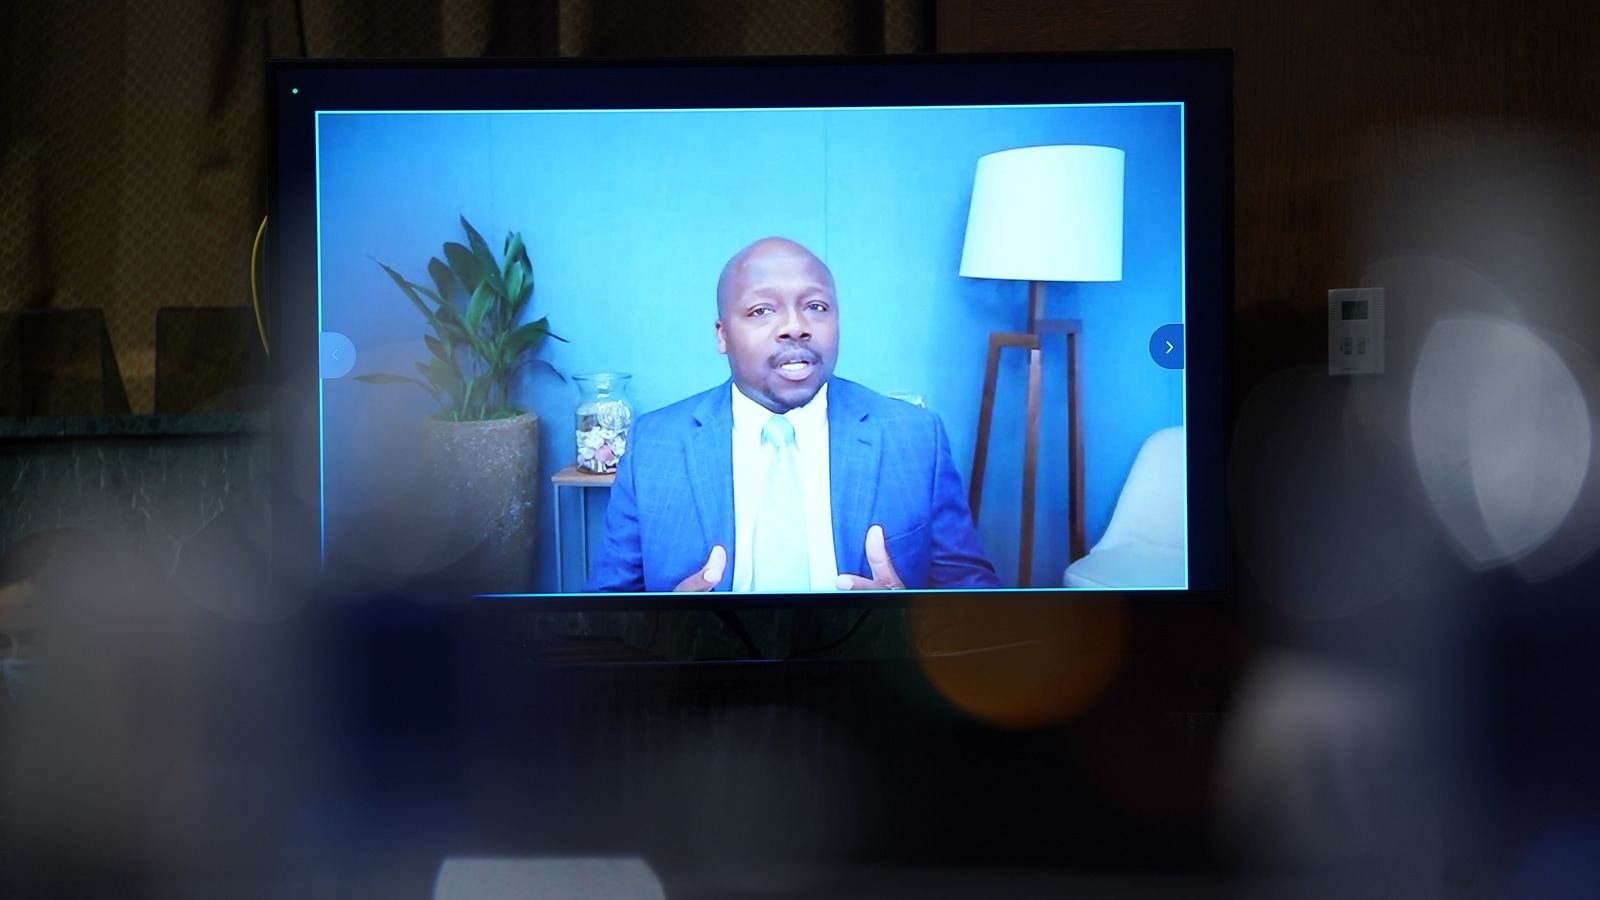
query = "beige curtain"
x=131 y=143
x=411 y=28
x=132 y=159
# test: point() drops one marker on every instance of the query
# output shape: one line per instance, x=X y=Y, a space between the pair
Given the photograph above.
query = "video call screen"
x=622 y=451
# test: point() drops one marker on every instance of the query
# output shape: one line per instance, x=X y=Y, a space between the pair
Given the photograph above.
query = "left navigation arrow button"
x=338 y=355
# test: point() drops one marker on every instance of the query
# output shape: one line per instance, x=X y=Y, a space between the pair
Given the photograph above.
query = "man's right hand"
x=709 y=574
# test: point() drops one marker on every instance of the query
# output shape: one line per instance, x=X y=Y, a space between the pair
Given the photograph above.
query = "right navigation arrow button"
x=1166 y=346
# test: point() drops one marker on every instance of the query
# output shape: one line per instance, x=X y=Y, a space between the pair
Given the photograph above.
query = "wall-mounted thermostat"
x=1355 y=331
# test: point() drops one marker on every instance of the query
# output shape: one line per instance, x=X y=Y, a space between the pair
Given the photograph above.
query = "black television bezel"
x=1201 y=79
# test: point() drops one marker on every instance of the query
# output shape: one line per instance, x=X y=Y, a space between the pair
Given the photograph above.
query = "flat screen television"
x=825 y=279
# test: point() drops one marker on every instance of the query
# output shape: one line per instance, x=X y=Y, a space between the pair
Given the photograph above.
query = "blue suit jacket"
x=889 y=465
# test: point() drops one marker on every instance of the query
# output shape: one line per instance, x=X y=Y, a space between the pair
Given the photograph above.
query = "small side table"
x=573 y=477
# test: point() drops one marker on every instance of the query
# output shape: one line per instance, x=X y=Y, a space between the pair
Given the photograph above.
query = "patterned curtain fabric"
x=732 y=27
x=131 y=159
x=131 y=143
x=411 y=28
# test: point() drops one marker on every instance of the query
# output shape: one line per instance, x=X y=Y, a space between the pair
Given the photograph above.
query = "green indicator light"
x=294 y=90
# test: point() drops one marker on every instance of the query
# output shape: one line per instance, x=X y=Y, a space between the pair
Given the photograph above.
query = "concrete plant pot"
x=484 y=485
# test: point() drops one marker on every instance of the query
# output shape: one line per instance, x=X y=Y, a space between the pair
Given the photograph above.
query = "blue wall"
x=629 y=217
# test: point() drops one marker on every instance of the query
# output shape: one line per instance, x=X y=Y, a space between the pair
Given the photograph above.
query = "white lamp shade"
x=1046 y=214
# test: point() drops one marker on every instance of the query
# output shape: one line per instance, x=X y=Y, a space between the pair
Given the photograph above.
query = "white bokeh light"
x=1501 y=436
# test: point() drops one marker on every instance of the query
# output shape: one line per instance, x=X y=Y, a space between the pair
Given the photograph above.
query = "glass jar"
x=604 y=415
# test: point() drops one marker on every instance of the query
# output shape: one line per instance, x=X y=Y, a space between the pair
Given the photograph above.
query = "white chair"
x=1144 y=544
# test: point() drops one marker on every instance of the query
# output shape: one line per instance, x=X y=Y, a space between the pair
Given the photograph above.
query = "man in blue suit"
x=787 y=479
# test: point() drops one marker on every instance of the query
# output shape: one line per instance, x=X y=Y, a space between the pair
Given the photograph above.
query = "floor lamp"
x=1042 y=214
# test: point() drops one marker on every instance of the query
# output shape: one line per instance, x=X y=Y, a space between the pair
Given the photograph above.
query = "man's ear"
x=722 y=339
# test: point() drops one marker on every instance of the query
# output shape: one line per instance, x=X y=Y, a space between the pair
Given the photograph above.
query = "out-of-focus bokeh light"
x=1020 y=664
x=576 y=878
x=1365 y=767
x=1321 y=767
x=1501 y=434
x=1578 y=536
x=1328 y=519
x=1484 y=244
x=388 y=519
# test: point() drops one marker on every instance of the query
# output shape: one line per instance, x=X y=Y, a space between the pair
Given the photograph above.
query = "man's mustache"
x=794 y=355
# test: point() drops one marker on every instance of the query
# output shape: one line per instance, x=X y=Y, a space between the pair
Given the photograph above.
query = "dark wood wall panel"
x=1339 y=106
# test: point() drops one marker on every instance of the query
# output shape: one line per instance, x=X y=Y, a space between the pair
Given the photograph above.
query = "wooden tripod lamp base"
x=1032 y=341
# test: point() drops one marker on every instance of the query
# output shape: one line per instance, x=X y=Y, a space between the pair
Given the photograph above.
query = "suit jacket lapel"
x=709 y=452
x=854 y=448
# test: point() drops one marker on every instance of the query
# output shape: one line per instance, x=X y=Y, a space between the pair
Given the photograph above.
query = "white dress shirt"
x=750 y=477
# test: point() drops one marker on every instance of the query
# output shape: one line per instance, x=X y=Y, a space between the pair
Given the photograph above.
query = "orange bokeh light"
x=1020 y=663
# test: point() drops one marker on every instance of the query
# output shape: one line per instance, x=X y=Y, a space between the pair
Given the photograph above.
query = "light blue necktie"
x=782 y=558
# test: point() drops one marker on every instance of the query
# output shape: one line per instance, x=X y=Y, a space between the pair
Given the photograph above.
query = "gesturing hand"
x=884 y=577
x=709 y=574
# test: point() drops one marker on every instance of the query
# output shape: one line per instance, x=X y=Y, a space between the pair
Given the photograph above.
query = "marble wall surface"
x=187 y=498
x=151 y=486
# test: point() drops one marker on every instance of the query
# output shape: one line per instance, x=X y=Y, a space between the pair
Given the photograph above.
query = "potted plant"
x=480 y=451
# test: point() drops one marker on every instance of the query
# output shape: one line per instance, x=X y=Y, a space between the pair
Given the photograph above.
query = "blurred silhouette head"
x=42 y=577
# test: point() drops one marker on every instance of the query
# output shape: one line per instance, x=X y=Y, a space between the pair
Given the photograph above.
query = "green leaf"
x=443 y=376
x=516 y=282
x=482 y=299
x=450 y=315
x=464 y=265
x=451 y=329
x=443 y=278
x=473 y=237
x=545 y=365
x=489 y=270
x=476 y=302
x=515 y=252
x=411 y=294
x=523 y=339
x=519 y=301
x=455 y=329
x=497 y=348
x=470 y=398
x=386 y=378
x=427 y=373
x=426 y=292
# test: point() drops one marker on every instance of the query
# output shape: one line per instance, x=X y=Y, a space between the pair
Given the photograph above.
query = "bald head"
x=738 y=270
x=777 y=322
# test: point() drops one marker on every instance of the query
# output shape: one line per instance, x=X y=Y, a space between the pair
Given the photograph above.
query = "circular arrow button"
x=1166 y=346
x=338 y=354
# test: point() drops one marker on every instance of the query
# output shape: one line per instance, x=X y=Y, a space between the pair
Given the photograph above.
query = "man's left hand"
x=884 y=577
